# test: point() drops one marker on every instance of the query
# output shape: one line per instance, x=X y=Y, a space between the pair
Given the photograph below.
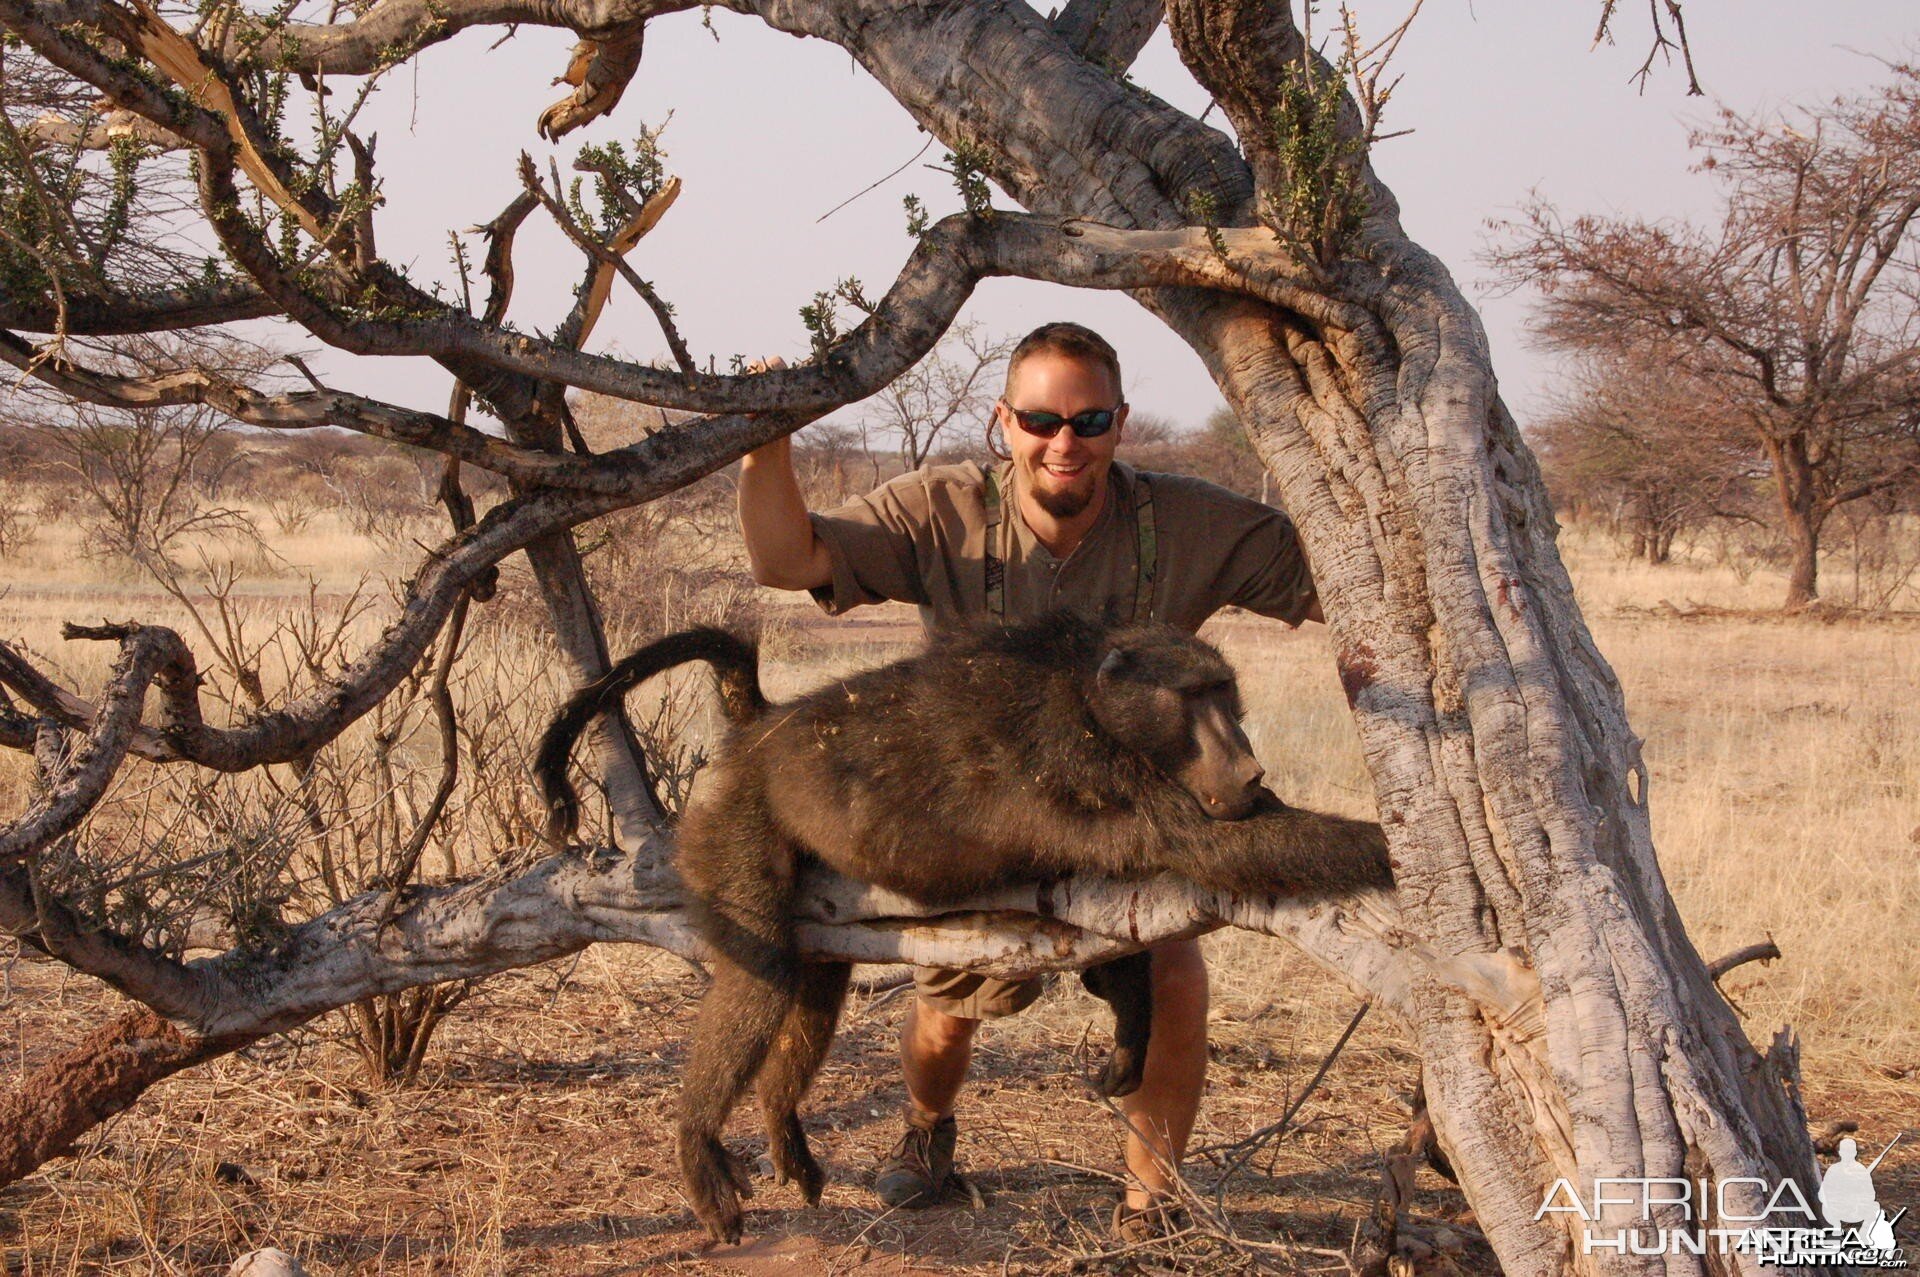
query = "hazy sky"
x=769 y=132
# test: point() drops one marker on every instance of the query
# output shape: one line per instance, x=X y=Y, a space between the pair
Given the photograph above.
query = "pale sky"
x=769 y=132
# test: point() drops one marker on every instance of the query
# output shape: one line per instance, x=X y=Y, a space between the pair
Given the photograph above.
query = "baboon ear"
x=1116 y=661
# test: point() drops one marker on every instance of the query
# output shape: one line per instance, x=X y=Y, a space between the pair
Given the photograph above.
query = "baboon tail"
x=736 y=670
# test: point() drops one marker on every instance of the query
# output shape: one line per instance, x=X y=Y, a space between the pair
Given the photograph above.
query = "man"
x=1060 y=523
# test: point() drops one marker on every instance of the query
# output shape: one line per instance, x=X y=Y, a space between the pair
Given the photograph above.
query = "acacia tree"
x=956 y=383
x=1802 y=308
x=1658 y=451
x=1568 y=1027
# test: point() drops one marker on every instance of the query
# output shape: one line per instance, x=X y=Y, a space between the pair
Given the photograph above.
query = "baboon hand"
x=1122 y=1076
x=715 y=1184
x=1126 y=985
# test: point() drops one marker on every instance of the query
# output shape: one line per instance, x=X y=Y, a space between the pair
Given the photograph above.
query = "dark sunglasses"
x=1090 y=424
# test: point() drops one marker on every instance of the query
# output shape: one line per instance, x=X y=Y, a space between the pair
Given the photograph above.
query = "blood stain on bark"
x=1358 y=670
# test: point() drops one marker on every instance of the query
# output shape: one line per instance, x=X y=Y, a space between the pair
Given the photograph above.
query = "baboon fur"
x=999 y=755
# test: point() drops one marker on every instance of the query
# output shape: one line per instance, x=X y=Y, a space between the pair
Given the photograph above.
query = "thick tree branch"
x=404 y=27
x=148 y=654
x=96 y=315
x=570 y=900
x=608 y=474
x=95 y=131
x=29 y=910
x=98 y=1078
x=1109 y=33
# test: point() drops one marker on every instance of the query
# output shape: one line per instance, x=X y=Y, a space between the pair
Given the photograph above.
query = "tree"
x=1799 y=308
x=1657 y=452
x=1568 y=1027
x=954 y=385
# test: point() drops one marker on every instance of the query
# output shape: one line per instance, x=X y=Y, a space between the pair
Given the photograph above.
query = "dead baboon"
x=999 y=755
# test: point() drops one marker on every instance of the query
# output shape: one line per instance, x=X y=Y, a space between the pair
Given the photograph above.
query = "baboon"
x=999 y=755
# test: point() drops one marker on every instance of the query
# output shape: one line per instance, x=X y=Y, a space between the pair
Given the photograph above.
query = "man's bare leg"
x=1162 y=1111
x=935 y=1049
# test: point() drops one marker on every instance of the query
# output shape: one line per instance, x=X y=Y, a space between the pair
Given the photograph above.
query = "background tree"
x=1649 y=450
x=1567 y=1026
x=940 y=404
x=1801 y=309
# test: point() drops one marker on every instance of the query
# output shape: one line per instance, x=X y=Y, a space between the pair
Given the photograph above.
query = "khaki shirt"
x=922 y=538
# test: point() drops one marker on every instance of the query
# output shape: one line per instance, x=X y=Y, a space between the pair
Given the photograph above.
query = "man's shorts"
x=972 y=996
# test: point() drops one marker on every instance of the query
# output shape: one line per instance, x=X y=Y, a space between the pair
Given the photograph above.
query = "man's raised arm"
x=782 y=550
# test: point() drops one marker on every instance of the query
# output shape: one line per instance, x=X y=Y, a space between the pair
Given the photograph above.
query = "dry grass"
x=1785 y=758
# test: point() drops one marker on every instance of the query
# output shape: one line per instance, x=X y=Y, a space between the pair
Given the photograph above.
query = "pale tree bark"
x=1566 y=1024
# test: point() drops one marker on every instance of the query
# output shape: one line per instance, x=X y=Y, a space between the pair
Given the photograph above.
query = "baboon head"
x=1172 y=699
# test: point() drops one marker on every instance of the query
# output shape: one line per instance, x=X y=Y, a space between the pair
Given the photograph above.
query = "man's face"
x=1064 y=473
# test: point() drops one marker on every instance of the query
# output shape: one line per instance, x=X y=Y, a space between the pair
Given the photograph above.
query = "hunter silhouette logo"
x=1849 y=1205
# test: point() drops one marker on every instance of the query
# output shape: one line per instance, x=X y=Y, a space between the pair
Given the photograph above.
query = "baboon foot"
x=715 y=1183
x=1125 y=1069
x=793 y=1161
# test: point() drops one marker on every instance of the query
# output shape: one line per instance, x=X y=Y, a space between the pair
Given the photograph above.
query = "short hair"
x=1072 y=340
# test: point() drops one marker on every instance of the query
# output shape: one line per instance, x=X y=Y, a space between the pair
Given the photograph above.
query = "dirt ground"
x=538 y=1140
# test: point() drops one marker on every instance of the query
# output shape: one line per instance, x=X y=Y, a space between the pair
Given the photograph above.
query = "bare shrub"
x=382 y=499
x=1654 y=452
x=293 y=507
x=832 y=464
x=1218 y=451
x=1882 y=552
x=17 y=527
x=936 y=407
x=136 y=477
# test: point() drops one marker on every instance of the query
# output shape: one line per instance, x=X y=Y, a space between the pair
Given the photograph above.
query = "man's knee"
x=1179 y=987
x=934 y=1032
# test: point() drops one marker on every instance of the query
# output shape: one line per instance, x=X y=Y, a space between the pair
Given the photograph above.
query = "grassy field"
x=1785 y=760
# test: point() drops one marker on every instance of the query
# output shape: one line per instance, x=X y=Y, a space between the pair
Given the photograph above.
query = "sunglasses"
x=1090 y=424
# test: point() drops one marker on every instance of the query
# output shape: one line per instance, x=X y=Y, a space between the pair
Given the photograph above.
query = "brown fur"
x=999 y=755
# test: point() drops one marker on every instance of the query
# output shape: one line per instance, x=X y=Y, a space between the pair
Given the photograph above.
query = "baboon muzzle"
x=1224 y=776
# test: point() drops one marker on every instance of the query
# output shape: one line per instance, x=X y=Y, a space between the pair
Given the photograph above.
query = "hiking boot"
x=919 y=1170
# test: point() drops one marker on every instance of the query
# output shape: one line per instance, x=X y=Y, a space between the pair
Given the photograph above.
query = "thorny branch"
x=1659 y=14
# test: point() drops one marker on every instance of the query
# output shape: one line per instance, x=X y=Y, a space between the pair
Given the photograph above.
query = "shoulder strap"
x=996 y=566
x=1147 y=552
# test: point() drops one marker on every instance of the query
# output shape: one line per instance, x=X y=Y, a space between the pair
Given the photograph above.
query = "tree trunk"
x=1663 y=545
x=1793 y=481
x=1508 y=778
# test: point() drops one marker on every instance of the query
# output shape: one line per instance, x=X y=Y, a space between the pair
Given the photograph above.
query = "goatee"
x=1064 y=503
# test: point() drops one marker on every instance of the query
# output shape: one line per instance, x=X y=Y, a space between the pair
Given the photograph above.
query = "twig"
x=881 y=182
x=1250 y=1144
x=612 y=255
x=442 y=700
x=1764 y=951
